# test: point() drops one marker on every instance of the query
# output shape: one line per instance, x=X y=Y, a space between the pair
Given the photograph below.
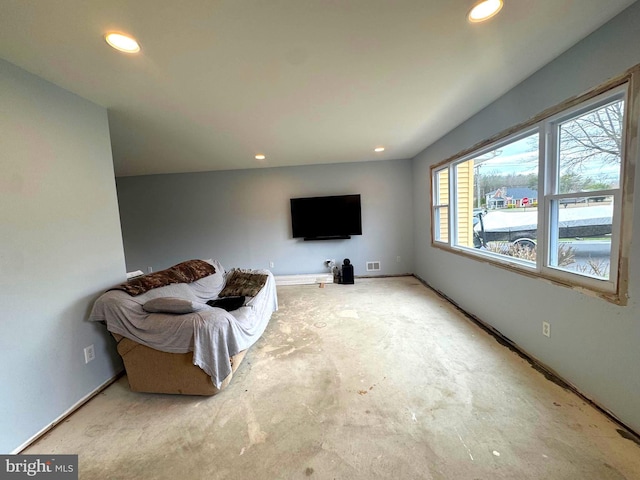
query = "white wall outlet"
x=546 y=329
x=271 y=264
x=89 y=354
x=149 y=269
x=398 y=259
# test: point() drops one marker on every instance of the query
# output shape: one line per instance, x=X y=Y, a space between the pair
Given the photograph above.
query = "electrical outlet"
x=546 y=329
x=149 y=269
x=89 y=354
x=398 y=259
x=271 y=264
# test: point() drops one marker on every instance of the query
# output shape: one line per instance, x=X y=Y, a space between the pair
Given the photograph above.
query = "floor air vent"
x=373 y=266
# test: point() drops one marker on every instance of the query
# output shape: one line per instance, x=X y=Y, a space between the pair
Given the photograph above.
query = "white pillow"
x=210 y=286
x=173 y=305
x=176 y=290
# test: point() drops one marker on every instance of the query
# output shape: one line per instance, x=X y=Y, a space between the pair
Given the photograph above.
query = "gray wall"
x=243 y=217
x=60 y=245
x=594 y=344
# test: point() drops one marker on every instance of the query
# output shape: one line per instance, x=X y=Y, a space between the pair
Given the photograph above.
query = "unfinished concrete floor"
x=381 y=379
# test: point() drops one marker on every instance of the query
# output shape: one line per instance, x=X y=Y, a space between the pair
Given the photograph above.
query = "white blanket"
x=214 y=335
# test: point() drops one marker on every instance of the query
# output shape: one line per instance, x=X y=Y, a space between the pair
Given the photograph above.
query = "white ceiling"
x=303 y=81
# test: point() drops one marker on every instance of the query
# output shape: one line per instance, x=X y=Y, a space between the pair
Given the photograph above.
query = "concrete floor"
x=381 y=379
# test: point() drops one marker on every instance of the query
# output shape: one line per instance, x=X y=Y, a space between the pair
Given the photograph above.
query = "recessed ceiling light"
x=122 y=42
x=260 y=156
x=378 y=149
x=484 y=10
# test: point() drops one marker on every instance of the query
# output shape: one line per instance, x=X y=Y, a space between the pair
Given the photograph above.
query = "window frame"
x=546 y=124
x=438 y=207
x=552 y=185
x=507 y=140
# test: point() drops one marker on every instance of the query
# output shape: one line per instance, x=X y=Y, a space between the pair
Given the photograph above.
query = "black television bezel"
x=338 y=234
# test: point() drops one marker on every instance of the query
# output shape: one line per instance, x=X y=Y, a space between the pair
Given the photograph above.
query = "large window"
x=547 y=199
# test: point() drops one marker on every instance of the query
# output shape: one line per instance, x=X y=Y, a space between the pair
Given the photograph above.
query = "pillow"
x=210 y=286
x=228 y=303
x=173 y=305
x=242 y=282
x=176 y=290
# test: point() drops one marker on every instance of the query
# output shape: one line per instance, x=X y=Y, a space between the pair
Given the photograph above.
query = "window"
x=496 y=198
x=547 y=199
x=584 y=188
x=441 y=207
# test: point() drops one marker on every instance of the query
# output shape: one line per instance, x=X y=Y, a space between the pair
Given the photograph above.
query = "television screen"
x=325 y=218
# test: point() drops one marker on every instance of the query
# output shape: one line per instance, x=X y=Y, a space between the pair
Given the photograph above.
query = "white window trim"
x=435 y=187
x=615 y=289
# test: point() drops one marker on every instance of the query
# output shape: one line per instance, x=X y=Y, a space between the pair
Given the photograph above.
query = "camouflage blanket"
x=185 y=272
x=243 y=283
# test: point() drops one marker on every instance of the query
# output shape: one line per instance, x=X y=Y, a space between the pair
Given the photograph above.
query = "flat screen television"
x=326 y=218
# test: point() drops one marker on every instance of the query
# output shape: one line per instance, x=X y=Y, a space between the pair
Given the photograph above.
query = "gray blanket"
x=214 y=335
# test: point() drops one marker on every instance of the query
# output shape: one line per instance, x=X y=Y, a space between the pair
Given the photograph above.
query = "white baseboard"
x=304 y=279
x=67 y=412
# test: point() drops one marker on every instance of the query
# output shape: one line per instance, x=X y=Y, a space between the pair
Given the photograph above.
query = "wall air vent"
x=373 y=266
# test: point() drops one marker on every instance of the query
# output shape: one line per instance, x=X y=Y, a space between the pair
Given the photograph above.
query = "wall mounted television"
x=326 y=218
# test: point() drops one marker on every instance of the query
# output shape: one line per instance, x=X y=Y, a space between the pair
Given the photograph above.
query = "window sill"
x=610 y=294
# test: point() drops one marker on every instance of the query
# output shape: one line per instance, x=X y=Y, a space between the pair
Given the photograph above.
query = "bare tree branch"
x=596 y=135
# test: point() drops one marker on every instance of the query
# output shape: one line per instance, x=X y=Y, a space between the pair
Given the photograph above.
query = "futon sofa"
x=186 y=329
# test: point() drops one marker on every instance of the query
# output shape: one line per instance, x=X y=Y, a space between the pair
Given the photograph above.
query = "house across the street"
x=516 y=196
